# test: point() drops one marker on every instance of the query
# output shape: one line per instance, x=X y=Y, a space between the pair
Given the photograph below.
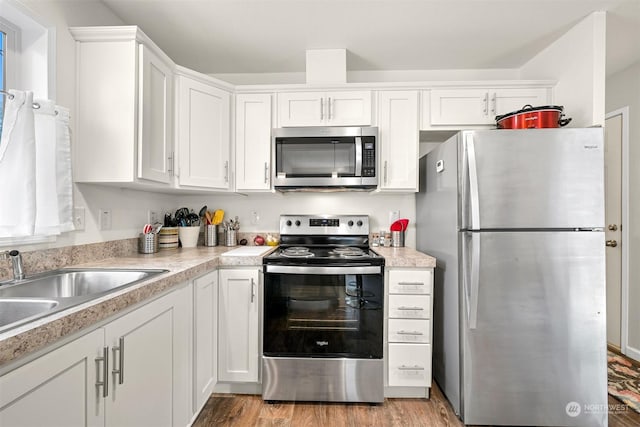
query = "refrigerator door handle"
x=474 y=202
x=471 y=276
x=475 y=280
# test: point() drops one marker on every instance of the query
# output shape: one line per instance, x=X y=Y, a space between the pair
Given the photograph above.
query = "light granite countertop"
x=182 y=265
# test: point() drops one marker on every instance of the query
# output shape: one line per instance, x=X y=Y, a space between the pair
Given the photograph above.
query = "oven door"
x=323 y=311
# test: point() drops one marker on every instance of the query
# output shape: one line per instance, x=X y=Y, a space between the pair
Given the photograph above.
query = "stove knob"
x=350 y=223
x=359 y=223
x=288 y=223
x=297 y=223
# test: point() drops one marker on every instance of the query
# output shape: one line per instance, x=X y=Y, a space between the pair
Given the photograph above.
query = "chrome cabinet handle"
x=120 y=370
x=485 y=110
x=321 y=108
x=253 y=294
x=411 y=368
x=329 y=109
x=411 y=308
x=170 y=166
x=104 y=359
x=409 y=333
x=611 y=243
x=226 y=171
x=410 y=283
x=493 y=104
x=266 y=172
x=385 y=171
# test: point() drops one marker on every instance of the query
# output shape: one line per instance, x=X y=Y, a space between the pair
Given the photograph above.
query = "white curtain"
x=35 y=155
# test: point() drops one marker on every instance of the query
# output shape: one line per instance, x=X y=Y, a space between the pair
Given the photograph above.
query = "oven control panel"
x=324 y=224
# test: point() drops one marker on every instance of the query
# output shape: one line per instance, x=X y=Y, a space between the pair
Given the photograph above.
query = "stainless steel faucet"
x=16 y=261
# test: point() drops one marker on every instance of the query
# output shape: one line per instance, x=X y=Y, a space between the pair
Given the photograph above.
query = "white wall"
x=623 y=89
x=269 y=206
x=577 y=61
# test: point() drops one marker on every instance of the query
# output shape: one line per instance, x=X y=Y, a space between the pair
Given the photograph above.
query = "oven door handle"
x=291 y=269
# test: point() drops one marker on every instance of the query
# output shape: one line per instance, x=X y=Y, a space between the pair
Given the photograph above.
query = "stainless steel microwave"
x=317 y=158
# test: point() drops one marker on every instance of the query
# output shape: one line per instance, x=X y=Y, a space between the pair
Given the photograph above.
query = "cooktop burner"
x=324 y=239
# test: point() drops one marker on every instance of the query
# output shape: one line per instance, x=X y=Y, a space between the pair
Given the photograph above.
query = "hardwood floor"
x=250 y=410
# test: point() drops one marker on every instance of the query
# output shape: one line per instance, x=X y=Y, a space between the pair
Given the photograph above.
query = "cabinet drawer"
x=410 y=281
x=410 y=365
x=409 y=331
x=410 y=306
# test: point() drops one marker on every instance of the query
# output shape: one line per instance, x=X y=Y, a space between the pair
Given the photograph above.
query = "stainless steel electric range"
x=323 y=312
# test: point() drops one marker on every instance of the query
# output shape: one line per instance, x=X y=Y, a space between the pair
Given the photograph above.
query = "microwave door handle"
x=358 y=141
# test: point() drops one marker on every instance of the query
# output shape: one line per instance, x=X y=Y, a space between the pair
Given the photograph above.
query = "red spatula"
x=400 y=225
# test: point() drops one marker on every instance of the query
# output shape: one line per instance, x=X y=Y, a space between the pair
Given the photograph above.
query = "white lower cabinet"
x=409 y=328
x=205 y=323
x=132 y=371
x=239 y=325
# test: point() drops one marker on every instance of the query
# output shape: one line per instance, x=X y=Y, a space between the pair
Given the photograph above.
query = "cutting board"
x=248 y=251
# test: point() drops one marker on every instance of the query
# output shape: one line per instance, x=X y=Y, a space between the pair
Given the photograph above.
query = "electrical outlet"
x=105 y=219
x=78 y=218
x=393 y=216
x=255 y=217
x=153 y=216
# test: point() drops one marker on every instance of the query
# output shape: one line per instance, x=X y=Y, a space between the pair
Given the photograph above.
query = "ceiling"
x=271 y=36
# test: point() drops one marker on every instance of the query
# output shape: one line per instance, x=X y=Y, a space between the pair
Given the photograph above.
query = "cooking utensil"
x=208 y=217
x=218 y=216
x=530 y=117
x=203 y=211
x=400 y=225
x=147 y=229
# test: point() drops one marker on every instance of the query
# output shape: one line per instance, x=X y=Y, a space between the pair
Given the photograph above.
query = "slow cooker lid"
x=531 y=109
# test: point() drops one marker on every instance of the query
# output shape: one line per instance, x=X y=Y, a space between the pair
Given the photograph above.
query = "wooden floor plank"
x=249 y=410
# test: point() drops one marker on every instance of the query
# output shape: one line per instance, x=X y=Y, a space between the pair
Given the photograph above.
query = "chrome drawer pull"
x=105 y=371
x=411 y=368
x=409 y=333
x=120 y=370
x=411 y=308
x=410 y=283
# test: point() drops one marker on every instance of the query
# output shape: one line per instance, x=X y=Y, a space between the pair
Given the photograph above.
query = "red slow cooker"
x=548 y=116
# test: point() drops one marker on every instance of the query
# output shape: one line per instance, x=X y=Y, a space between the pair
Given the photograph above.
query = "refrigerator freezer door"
x=532 y=179
x=534 y=345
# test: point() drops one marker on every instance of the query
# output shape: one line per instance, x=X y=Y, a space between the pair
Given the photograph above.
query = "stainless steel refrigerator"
x=515 y=219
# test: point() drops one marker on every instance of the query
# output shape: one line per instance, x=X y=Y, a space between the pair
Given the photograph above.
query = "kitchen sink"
x=14 y=310
x=75 y=283
x=50 y=292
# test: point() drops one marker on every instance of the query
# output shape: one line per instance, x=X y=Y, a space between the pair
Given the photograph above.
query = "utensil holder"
x=148 y=243
x=168 y=238
x=230 y=237
x=211 y=235
x=397 y=239
x=189 y=236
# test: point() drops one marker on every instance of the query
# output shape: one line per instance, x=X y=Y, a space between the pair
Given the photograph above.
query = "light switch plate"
x=105 y=219
x=439 y=166
x=79 y=218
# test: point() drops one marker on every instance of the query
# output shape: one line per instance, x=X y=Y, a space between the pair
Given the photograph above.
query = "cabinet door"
x=460 y=107
x=205 y=300
x=505 y=101
x=238 y=327
x=398 y=130
x=301 y=109
x=149 y=362
x=155 y=126
x=348 y=108
x=203 y=135
x=253 y=142
x=57 y=389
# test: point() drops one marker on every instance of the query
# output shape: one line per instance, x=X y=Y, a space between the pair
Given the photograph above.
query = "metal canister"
x=148 y=243
x=211 y=235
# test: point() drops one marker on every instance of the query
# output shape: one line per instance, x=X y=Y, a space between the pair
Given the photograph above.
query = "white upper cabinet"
x=253 y=142
x=398 y=140
x=346 y=108
x=477 y=106
x=203 y=132
x=124 y=114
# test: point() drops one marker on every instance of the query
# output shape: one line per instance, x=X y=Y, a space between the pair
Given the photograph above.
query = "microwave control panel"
x=368 y=157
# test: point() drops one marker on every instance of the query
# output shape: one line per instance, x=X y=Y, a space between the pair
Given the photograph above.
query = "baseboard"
x=238 y=388
x=407 y=392
x=633 y=353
